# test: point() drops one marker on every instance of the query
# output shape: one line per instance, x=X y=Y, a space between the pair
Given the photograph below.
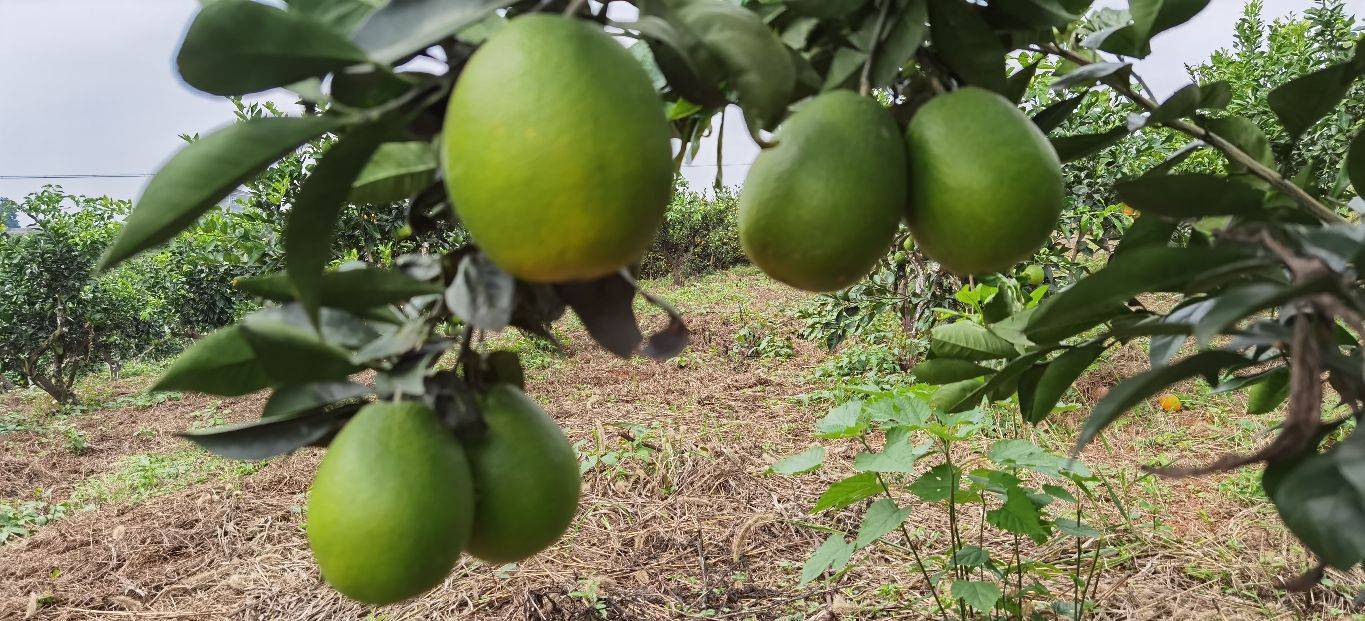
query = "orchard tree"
x=550 y=141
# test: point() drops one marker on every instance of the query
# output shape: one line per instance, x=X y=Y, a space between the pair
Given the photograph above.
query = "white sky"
x=91 y=89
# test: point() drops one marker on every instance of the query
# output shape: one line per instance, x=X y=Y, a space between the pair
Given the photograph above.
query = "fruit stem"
x=865 y=82
x=573 y=7
x=1253 y=165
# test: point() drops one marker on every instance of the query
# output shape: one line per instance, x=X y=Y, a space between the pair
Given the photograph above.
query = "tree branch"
x=1254 y=166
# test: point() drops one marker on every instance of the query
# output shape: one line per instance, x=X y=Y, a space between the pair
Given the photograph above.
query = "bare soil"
x=686 y=524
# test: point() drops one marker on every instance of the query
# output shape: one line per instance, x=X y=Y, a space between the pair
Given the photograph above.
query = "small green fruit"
x=1034 y=274
x=391 y=506
x=820 y=209
x=526 y=479
x=985 y=183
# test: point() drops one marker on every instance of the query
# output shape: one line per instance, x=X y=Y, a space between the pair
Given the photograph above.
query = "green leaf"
x=968 y=341
x=938 y=483
x=1189 y=99
x=1244 y=135
x=1053 y=381
x=1147 y=231
x=290 y=400
x=948 y=370
x=1150 y=18
x=757 y=65
x=957 y=396
x=312 y=220
x=268 y=437
x=833 y=554
x=402 y=27
x=1300 y=102
x=341 y=15
x=966 y=43
x=971 y=556
x=369 y=86
x=1320 y=506
x=1016 y=86
x=1138 y=388
x=899 y=46
x=1019 y=515
x=848 y=491
x=898 y=455
x=353 y=290
x=221 y=363
x=881 y=518
x=1269 y=393
x=980 y=595
x=800 y=463
x=1236 y=303
x=1072 y=528
x=848 y=420
x=1053 y=116
x=1039 y=13
x=1020 y=453
x=205 y=172
x=1094 y=72
x=235 y=47
x=1070 y=148
x=1190 y=195
x=292 y=355
x=843 y=67
x=1140 y=270
x=1059 y=492
x=1355 y=163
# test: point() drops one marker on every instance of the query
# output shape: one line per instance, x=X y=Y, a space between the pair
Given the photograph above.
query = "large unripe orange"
x=556 y=150
x=526 y=480
x=985 y=183
x=822 y=206
x=391 y=506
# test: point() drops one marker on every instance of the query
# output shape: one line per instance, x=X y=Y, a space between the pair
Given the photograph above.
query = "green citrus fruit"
x=1034 y=274
x=392 y=504
x=525 y=478
x=908 y=244
x=821 y=207
x=556 y=151
x=986 y=186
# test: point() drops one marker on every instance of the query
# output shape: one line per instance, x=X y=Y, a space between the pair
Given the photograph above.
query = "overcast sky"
x=90 y=89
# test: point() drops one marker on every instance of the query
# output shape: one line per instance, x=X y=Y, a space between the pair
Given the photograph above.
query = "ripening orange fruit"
x=1169 y=403
x=1129 y=211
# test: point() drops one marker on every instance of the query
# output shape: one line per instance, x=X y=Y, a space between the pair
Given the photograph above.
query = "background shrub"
x=700 y=235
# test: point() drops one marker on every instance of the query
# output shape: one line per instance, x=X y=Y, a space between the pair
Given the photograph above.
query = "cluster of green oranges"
x=399 y=497
x=557 y=158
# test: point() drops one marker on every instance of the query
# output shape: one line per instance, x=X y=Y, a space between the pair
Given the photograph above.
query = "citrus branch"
x=1253 y=165
x=865 y=82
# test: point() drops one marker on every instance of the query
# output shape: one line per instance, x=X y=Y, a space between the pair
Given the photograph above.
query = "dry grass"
x=686 y=524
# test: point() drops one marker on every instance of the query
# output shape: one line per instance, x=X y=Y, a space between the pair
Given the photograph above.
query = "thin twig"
x=865 y=82
x=1253 y=165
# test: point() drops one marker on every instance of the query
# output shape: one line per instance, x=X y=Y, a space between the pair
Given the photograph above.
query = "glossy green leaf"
x=800 y=463
x=1039 y=13
x=757 y=65
x=312 y=220
x=1189 y=99
x=1355 y=163
x=848 y=491
x=966 y=43
x=290 y=400
x=221 y=363
x=396 y=171
x=1093 y=73
x=1147 y=231
x=1140 y=270
x=235 y=47
x=352 y=290
x=966 y=340
x=881 y=518
x=1053 y=116
x=1142 y=386
x=1056 y=377
x=948 y=370
x=289 y=354
x=957 y=396
x=1236 y=303
x=341 y=15
x=899 y=45
x=1190 y=195
x=269 y=437
x=1150 y=18
x=1071 y=148
x=1300 y=102
x=1016 y=86
x=203 y=173
x=402 y=27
